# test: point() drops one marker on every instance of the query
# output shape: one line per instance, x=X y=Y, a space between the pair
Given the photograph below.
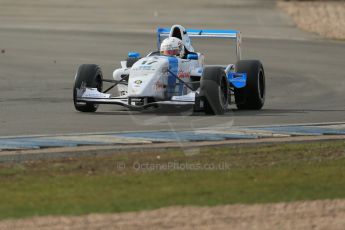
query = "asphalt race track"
x=43 y=42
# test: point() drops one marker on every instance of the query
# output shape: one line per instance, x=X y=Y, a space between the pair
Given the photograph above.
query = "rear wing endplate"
x=231 y=34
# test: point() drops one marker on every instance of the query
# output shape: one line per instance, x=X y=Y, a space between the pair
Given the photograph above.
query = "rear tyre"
x=252 y=96
x=88 y=75
x=214 y=89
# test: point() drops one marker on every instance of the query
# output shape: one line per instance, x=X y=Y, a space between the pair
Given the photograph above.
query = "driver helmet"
x=172 y=47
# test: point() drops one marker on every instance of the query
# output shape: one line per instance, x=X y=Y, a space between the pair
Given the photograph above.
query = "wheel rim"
x=223 y=92
x=99 y=86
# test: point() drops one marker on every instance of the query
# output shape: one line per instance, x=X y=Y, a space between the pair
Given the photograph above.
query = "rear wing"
x=231 y=34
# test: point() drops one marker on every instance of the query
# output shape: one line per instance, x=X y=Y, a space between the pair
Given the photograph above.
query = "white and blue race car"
x=156 y=79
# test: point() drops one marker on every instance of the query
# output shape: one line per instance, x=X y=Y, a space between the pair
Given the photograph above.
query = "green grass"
x=255 y=174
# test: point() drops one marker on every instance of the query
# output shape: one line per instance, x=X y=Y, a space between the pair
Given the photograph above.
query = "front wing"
x=93 y=95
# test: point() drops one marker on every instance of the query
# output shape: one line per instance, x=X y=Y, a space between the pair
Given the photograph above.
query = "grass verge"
x=211 y=176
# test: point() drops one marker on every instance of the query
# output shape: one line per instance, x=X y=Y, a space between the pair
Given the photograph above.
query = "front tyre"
x=252 y=96
x=214 y=88
x=90 y=76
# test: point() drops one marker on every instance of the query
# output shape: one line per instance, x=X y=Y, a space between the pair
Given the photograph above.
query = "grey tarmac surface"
x=43 y=43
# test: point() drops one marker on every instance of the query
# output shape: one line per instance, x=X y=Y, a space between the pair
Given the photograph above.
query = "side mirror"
x=133 y=55
x=192 y=56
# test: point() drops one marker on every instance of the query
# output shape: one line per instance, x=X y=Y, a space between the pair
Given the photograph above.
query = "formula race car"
x=166 y=77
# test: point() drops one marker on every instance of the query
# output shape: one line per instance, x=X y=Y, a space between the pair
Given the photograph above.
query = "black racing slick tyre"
x=214 y=89
x=88 y=75
x=252 y=96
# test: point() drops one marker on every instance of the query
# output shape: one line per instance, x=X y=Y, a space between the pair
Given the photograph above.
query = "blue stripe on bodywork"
x=173 y=70
x=180 y=89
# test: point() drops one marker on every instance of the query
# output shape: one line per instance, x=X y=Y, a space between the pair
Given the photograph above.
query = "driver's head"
x=172 y=47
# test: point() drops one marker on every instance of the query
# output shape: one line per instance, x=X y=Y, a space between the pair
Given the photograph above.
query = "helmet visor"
x=170 y=52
